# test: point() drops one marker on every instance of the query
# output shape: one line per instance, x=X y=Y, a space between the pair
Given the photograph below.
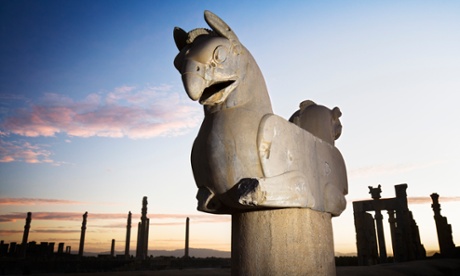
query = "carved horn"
x=220 y=27
x=180 y=37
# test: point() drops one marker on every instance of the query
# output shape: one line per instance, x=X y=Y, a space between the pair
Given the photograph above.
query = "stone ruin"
x=370 y=237
x=446 y=244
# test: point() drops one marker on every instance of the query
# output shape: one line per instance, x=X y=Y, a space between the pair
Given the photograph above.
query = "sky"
x=93 y=114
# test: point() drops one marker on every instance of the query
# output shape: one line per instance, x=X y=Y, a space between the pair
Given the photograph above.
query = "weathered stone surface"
x=300 y=170
x=294 y=241
x=319 y=120
x=247 y=161
x=233 y=157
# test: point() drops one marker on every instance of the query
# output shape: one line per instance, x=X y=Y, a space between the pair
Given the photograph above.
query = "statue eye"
x=220 y=54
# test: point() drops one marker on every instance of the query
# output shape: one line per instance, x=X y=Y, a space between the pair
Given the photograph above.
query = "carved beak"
x=200 y=85
x=194 y=85
x=207 y=93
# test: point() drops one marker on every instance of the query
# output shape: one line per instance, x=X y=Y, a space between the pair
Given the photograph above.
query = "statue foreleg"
x=286 y=190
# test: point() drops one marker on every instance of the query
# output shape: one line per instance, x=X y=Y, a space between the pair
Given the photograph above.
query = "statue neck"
x=250 y=90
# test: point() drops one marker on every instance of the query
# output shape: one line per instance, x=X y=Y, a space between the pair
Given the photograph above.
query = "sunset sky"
x=93 y=114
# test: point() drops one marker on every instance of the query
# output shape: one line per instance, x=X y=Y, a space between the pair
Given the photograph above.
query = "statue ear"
x=306 y=104
x=180 y=37
x=220 y=27
x=336 y=113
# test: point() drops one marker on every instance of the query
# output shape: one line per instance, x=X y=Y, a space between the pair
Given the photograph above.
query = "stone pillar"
x=375 y=193
x=139 y=240
x=381 y=236
x=294 y=241
x=112 y=248
x=444 y=230
x=82 y=235
x=366 y=241
x=392 y=222
x=68 y=249
x=403 y=225
x=143 y=233
x=25 y=235
x=187 y=222
x=128 y=235
x=146 y=237
x=61 y=248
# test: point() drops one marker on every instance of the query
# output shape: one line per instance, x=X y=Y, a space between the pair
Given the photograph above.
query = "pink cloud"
x=158 y=219
x=56 y=231
x=386 y=169
x=5 y=232
x=24 y=152
x=419 y=199
x=127 y=111
x=427 y=199
x=36 y=201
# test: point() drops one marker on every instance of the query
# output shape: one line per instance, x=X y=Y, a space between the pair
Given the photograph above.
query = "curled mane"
x=193 y=34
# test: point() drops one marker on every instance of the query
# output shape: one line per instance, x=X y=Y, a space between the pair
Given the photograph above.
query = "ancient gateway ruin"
x=369 y=229
x=446 y=243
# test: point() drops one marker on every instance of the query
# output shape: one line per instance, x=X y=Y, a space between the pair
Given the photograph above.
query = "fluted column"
x=25 y=235
x=187 y=222
x=128 y=235
x=82 y=235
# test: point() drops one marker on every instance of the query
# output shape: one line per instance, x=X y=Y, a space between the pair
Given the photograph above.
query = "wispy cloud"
x=24 y=152
x=37 y=201
x=56 y=231
x=427 y=199
x=127 y=111
x=5 y=232
x=419 y=199
x=157 y=219
x=382 y=169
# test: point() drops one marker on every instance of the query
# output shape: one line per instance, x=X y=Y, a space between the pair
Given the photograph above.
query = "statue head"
x=209 y=61
x=319 y=120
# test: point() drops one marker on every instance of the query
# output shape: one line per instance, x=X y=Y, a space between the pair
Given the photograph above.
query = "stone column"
x=443 y=229
x=25 y=235
x=375 y=194
x=187 y=222
x=403 y=225
x=112 y=248
x=143 y=232
x=381 y=236
x=139 y=240
x=82 y=235
x=293 y=241
x=128 y=235
x=392 y=221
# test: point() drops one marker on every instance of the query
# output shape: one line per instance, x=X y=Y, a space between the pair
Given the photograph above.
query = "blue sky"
x=93 y=115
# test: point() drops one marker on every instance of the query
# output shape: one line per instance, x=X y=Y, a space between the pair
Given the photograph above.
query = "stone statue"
x=245 y=157
x=318 y=120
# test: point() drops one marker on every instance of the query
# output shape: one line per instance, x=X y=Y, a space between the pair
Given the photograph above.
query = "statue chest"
x=225 y=149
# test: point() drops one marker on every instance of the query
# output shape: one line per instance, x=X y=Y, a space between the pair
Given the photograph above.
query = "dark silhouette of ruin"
x=128 y=235
x=446 y=244
x=42 y=257
x=143 y=233
x=187 y=224
x=405 y=235
x=25 y=235
x=82 y=235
